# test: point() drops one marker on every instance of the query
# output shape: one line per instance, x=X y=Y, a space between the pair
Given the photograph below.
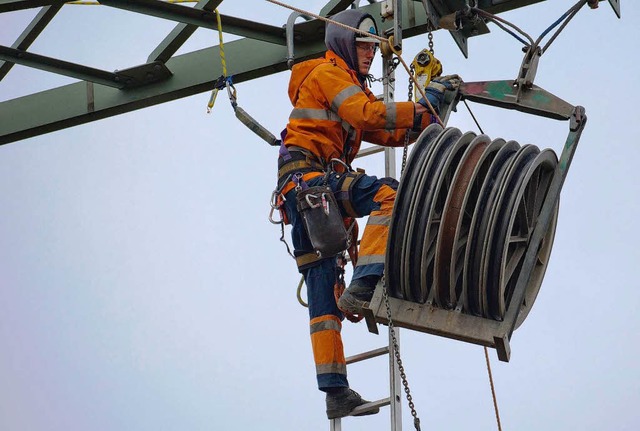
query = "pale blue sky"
x=142 y=287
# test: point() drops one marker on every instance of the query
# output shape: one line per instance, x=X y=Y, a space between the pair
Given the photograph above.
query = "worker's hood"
x=343 y=41
x=301 y=71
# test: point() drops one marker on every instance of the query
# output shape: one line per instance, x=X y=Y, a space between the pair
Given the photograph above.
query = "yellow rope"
x=415 y=82
x=299 y=293
x=214 y=92
x=375 y=36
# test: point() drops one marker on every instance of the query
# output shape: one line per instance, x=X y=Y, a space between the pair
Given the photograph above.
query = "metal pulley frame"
x=433 y=314
x=429 y=292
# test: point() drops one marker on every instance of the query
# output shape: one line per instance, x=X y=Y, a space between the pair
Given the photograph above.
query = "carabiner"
x=271 y=217
x=341 y=162
x=275 y=206
x=308 y=199
x=325 y=204
x=232 y=94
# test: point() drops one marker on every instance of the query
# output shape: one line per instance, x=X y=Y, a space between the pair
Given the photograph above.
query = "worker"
x=333 y=112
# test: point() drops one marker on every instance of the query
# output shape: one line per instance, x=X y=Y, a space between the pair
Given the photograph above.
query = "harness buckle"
x=297 y=180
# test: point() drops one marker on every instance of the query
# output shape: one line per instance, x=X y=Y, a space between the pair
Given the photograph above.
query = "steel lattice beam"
x=30 y=34
x=179 y=35
x=73 y=70
x=13 y=5
x=201 y=18
x=164 y=77
x=193 y=73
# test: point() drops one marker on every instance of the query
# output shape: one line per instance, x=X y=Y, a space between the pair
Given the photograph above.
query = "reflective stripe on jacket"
x=331 y=108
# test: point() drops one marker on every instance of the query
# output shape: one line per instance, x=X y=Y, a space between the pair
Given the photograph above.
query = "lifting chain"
x=396 y=352
x=385 y=294
x=394 y=64
x=430 y=35
x=406 y=137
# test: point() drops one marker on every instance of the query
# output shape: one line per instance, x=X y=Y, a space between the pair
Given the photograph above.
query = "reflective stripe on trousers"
x=368 y=196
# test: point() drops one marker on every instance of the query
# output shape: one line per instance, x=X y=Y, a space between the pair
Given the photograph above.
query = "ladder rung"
x=368 y=355
x=370 y=406
x=364 y=152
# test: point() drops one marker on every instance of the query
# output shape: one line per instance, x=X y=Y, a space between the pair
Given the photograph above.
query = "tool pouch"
x=322 y=220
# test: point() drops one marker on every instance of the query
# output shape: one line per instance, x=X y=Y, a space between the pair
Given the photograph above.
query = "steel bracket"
x=436 y=10
x=145 y=74
x=507 y=94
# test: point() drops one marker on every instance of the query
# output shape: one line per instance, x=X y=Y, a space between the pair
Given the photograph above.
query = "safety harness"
x=296 y=167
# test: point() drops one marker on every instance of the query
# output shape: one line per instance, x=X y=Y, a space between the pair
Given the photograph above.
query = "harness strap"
x=293 y=160
x=302 y=166
x=307 y=259
x=344 y=194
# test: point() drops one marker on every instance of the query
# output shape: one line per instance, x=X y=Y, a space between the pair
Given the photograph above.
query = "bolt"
x=423 y=59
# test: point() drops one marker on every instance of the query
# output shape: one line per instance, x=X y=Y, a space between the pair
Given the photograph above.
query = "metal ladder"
x=394 y=401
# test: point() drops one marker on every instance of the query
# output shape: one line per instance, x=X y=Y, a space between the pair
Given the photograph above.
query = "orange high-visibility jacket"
x=332 y=108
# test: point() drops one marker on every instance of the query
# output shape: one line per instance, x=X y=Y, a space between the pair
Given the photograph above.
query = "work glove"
x=436 y=88
x=447 y=82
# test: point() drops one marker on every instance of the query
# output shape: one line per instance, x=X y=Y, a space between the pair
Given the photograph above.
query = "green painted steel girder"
x=193 y=73
x=201 y=18
x=73 y=70
x=335 y=6
x=496 y=7
x=33 y=30
x=165 y=78
x=180 y=34
x=13 y=5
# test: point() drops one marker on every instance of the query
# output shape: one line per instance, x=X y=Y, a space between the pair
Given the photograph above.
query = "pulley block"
x=462 y=225
x=471 y=235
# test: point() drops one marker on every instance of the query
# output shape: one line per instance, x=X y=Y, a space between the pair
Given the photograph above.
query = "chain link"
x=430 y=29
x=394 y=64
x=396 y=352
x=430 y=36
x=406 y=137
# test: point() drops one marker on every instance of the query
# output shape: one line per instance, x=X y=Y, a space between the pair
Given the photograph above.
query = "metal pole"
x=395 y=388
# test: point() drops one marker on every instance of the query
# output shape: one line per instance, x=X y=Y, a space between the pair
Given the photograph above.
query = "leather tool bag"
x=322 y=220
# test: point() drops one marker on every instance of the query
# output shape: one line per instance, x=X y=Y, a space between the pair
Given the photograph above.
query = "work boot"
x=358 y=295
x=342 y=401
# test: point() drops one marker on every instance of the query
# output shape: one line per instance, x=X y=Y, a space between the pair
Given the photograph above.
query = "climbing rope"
x=493 y=391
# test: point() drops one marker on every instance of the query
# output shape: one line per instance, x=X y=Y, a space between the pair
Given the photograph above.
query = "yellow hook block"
x=426 y=67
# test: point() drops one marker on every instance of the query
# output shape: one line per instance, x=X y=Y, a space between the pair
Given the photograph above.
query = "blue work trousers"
x=320 y=276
